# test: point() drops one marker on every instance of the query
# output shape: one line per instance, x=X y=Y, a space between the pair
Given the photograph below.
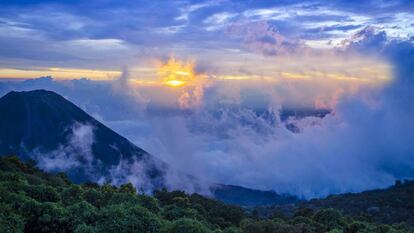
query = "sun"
x=175 y=73
x=174 y=83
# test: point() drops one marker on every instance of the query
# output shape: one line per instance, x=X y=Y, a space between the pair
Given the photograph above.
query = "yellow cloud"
x=59 y=73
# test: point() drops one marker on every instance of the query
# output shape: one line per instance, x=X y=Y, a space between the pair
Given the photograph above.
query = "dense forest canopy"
x=34 y=201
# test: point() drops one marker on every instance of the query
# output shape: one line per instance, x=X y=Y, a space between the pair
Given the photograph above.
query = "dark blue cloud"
x=28 y=27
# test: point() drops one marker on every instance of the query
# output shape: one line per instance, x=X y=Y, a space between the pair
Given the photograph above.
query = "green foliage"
x=119 y=198
x=83 y=212
x=127 y=218
x=127 y=188
x=390 y=206
x=185 y=225
x=83 y=228
x=42 y=193
x=9 y=221
x=71 y=194
x=330 y=218
x=150 y=203
x=304 y=212
x=335 y=231
x=34 y=201
x=45 y=217
x=94 y=197
x=232 y=230
x=268 y=226
x=173 y=212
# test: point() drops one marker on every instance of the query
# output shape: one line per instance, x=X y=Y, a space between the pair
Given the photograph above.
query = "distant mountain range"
x=44 y=126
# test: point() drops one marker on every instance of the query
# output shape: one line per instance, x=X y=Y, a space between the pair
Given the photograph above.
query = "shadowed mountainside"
x=237 y=195
x=34 y=123
x=391 y=205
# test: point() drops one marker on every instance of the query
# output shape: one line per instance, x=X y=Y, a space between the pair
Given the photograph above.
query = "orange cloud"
x=59 y=73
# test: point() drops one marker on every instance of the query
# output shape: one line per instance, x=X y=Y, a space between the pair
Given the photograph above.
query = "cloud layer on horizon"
x=364 y=143
x=233 y=132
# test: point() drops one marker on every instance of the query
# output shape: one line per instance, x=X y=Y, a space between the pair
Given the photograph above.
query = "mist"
x=235 y=135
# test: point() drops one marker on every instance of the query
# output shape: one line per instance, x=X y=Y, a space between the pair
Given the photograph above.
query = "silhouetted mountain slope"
x=392 y=205
x=231 y=194
x=40 y=121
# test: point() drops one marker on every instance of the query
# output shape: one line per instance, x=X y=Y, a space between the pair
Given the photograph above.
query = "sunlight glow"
x=174 y=83
x=175 y=73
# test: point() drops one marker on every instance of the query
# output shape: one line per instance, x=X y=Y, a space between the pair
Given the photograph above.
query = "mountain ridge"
x=41 y=121
x=389 y=205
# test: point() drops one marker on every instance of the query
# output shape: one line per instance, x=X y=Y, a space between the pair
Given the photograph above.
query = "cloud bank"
x=239 y=135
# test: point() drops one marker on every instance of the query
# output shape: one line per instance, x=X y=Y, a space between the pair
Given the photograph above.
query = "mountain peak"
x=39 y=93
x=41 y=124
x=33 y=92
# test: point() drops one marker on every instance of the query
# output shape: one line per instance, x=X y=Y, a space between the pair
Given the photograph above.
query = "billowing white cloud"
x=235 y=133
x=76 y=153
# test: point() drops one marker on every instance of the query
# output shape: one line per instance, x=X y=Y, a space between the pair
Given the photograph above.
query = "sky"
x=97 y=39
x=206 y=82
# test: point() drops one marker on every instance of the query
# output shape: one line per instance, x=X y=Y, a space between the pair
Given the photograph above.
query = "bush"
x=126 y=218
x=71 y=195
x=149 y=202
x=330 y=218
x=94 y=197
x=46 y=217
x=83 y=212
x=9 y=221
x=185 y=225
x=42 y=193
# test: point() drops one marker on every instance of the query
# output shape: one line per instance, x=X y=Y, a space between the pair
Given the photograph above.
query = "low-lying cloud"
x=364 y=142
x=75 y=153
x=75 y=156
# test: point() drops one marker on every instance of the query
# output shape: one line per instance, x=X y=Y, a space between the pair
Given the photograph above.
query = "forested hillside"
x=392 y=205
x=34 y=201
